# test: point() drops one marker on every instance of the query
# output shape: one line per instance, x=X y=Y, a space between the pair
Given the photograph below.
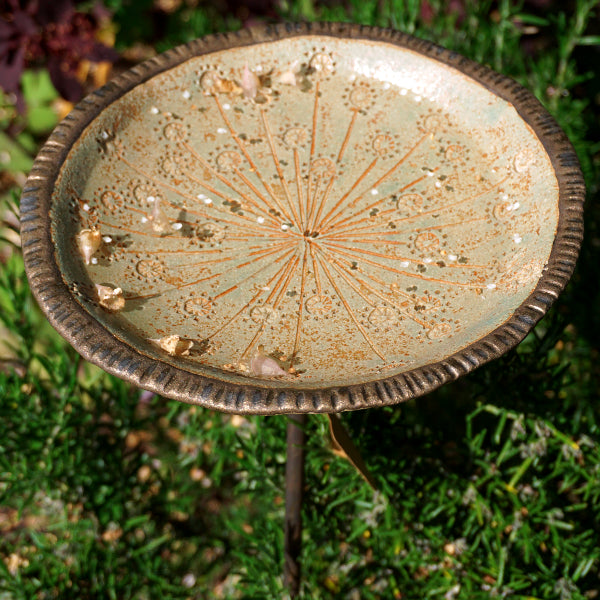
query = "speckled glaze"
x=329 y=216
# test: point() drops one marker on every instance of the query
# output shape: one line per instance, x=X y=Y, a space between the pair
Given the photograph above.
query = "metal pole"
x=294 y=482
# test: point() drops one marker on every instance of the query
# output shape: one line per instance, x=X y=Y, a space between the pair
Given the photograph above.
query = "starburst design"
x=310 y=236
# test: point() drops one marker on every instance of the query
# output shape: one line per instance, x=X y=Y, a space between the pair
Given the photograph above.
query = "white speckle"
x=207 y=201
x=516 y=205
x=144 y=220
x=374 y=192
x=258 y=68
x=491 y=286
x=430 y=174
x=428 y=260
x=154 y=110
x=387 y=85
x=352 y=78
x=260 y=220
x=404 y=263
x=265 y=288
x=505 y=197
x=86 y=207
x=452 y=257
x=509 y=207
x=189 y=580
x=518 y=239
x=94 y=261
x=105 y=135
x=403 y=92
x=107 y=239
x=226 y=106
x=200 y=196
x=221 y=130
x=418 y=98
x=438 y=184
x=284 y=227
x=186 y=94
x=177 y=226
x=150 y=199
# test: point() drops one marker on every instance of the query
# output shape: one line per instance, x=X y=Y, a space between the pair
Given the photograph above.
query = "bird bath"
x=306 y=218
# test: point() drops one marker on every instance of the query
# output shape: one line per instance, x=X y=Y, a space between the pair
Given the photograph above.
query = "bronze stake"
x=294 y=483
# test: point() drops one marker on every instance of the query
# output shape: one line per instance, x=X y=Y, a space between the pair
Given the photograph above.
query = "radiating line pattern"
x=296 y=223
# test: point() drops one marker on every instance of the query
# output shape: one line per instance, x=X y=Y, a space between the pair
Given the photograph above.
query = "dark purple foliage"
x=50 y=33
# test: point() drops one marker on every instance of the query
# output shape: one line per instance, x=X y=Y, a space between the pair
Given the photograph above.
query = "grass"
x=489 y=487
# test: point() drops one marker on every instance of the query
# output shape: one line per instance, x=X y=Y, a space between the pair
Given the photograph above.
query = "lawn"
x=488 y=487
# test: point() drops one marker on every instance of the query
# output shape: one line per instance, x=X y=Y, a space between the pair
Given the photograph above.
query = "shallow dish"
x=301 y=218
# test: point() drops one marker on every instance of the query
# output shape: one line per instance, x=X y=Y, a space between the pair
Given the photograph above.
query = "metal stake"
x=294 y=482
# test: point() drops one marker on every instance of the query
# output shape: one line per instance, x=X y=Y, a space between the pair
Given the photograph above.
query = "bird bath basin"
x=301 y=219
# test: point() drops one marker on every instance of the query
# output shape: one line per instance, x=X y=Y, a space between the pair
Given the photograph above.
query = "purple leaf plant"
x=51 y=34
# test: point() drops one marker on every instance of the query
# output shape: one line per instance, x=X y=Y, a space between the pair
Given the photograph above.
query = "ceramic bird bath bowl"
x=301 y=219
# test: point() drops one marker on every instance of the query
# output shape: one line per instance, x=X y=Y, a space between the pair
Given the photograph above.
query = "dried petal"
x=157 y=217
x=263 y=365
x=88 y=241
x=174 y=345
x=250 y=83
x=209 y=82
x=212 y=84
x=289 y=77
x=228 y=86
x=110 y=298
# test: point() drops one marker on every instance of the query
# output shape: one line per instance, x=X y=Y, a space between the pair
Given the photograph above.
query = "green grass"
x=489 y=487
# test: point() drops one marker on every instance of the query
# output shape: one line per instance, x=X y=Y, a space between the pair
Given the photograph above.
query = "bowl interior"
x=307 y=213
